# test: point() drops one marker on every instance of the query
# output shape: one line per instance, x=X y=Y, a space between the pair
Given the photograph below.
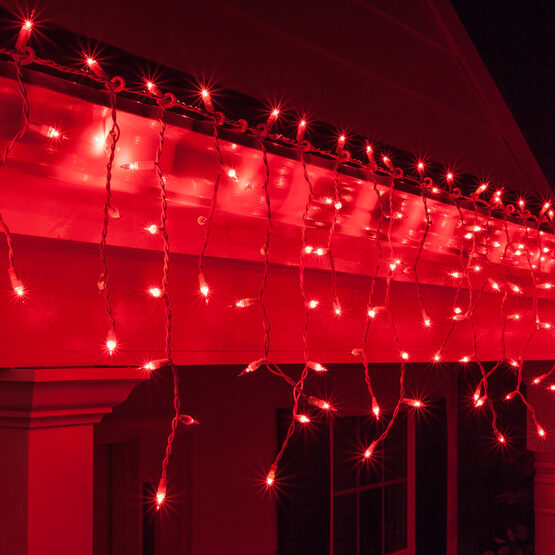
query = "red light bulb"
x=111 y=342
x=253 y=366
x=161 y=493
x=316 y=366
x=271 y=476
x=207 y=100
x=375 y=408
x=301 y=128
x=203 y=286
x=24 y=35
x=370 y=450
x=17 y=284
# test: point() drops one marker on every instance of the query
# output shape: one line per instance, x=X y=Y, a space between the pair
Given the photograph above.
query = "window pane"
x=345 y=453
x=371 y=522
x=345 y=524
x=395 y=450
x=395 y=517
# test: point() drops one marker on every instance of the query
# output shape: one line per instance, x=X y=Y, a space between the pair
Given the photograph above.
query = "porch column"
x=46 y=454
x=544 y=482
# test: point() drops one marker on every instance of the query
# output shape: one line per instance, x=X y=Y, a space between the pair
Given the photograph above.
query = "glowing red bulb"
x=253 y=366
x=541 y=431
x=308 y=249
x=152 y=229
x=205 y=93
x=316 y=366
x=155 y=364
x=302 y=418
x=420 y=166
x=342 y=138
x=500 y=438
x=203 y=286
x=111 y=342
x=155 y=292
x=464 y=359
x=449 y=176
x=370 y=450
x=372 y=313
x=338 y=205
x=161 y=493
x=272 y=118
x=404 y=356
x=375 y=408
x=457 y=310
x=24 y=35
x=427 y=322
x=232 y=173
x=437 y=358
x=271 y=476
x=243 y=303
x=17 y=284
x=481 y=188
x=552 y=387
x=313 y=303
x=301 y=128
x=320 y=403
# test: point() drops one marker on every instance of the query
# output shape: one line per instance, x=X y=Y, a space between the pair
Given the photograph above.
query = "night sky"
x=516 y=40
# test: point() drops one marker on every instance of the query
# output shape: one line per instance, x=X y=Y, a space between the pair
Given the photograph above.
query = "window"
x=371 y=505
x=369 y=499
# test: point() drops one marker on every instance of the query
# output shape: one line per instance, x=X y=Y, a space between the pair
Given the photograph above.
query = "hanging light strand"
x=218 y=119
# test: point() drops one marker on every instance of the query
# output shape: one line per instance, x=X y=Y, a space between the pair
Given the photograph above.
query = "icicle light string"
x=403 y=355
x=166 y=101
x=343 y=155
x=303 y=252
x=22 y=55
x=370 y=307
x=266 y=248
x=424 y=187
x=218 y=119
x=113 y=86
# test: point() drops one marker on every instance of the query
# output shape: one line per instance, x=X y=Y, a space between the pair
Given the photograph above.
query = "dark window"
x=368 y=501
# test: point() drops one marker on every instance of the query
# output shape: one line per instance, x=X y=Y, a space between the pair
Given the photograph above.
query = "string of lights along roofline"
x=473 y=264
